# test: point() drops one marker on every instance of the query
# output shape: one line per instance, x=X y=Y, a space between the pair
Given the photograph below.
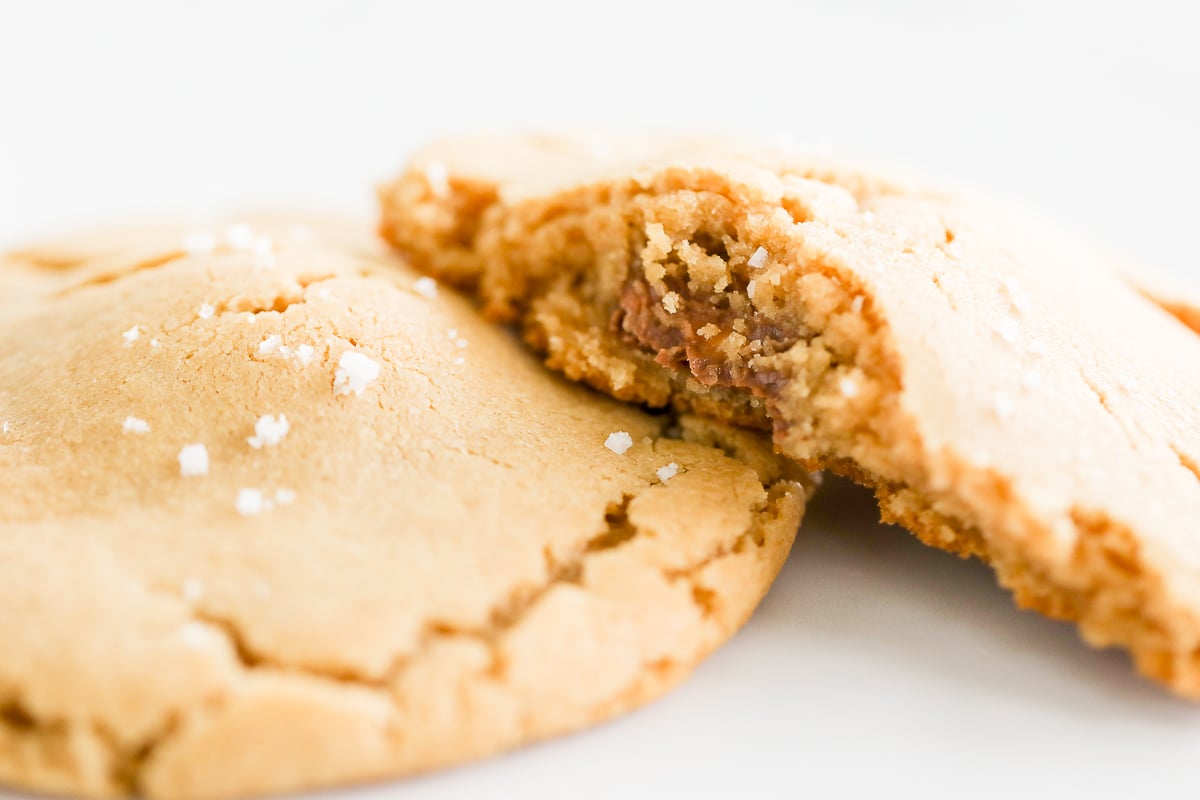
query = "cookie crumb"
x=619 y=442
x=250 y=502
x=354 y=372
x=670 y=302
x=666 y=473
x=759 y=259
x=193 y=590
x=426 y=287
x=199 y=243
x=135 y=425
x=438 y=178
x=207 y=310
x=269 y=431
x=130 y=336
x=193 y=460
x=708 y=331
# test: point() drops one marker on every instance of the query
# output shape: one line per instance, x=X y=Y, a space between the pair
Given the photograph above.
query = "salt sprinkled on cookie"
x=130 y=336
x=285 y=497
x=240 y=236
x=426 y=287
x=250 y=502
x=4 y=428
x=708 y=331
x=759 y=259
x=354 y=372
x=848 y=386
x=856 y=304
x=155 y=343
x=750 y=287
x=193 y=590
x=207 y=310
x=1002 y=404
x=193 y=460
x=461 y=344
x=619 y=442
x=135 y=425
x=199 y=243
x=438 y=178
x=269 y=431
x=304 y=354
x=670 y=301
x=666 y=473
x=269 y=344
x=195 y=634
x=1006 y=329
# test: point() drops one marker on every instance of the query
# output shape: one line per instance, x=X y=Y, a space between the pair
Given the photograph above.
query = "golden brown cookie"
x=277 y=514
x=1007 y=391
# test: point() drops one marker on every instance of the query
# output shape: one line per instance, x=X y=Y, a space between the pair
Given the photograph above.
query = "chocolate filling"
x=675 y=338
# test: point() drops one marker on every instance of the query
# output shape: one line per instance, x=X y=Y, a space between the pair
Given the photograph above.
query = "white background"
x=876 y=667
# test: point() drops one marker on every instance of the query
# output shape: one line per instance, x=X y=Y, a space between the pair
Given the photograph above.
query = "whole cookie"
x=276 y=515
x=1008 y=392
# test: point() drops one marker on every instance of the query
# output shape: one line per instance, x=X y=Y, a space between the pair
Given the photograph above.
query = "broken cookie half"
x=1009 y=392
x=277 y=515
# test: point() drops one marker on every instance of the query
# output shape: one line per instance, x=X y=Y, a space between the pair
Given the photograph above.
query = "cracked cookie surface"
x=1010 y=393
x=379 y=563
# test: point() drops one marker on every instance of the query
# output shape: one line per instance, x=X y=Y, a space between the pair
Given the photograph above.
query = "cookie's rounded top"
x=264 y=486
x=1010 y=391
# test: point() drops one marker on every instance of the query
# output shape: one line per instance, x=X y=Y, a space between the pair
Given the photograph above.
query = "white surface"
x=876 y=666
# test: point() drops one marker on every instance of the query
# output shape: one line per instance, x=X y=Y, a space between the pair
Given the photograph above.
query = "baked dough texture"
x=425 y=553
x=1009 y=392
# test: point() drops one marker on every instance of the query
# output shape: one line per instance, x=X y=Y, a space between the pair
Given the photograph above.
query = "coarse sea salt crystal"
x=856 y=304
x=303 y=355
x=670 y=302
x=759 y=259
x=135 y=425
x=269 y=344
x=438 y=178
x=240 y=236
x=130 y=336
x=193 y=460
x=250 y=502
x=426 y=287
x=155 y=343
x=750 y=287
x=1006 y=329
x=619 y=442
x=195 y=634
x=207 y=310
x=269 y=431
x=460 y=360
x=1002 y=404
x=461 y=344
x=708 y=331
x=666 y=473
x=5 y=427
x=193 y=590
x=354 y=371
x=199 y=243
x=848 y=386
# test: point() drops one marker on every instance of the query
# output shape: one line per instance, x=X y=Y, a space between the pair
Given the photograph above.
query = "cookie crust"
x=1008 y=392
x=423 y=571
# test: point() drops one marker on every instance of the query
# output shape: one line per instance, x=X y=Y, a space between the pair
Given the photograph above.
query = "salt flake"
x=619 y=442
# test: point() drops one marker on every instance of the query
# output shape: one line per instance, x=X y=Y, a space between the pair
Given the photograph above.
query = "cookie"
x=1009 y=392
x=278 y=514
